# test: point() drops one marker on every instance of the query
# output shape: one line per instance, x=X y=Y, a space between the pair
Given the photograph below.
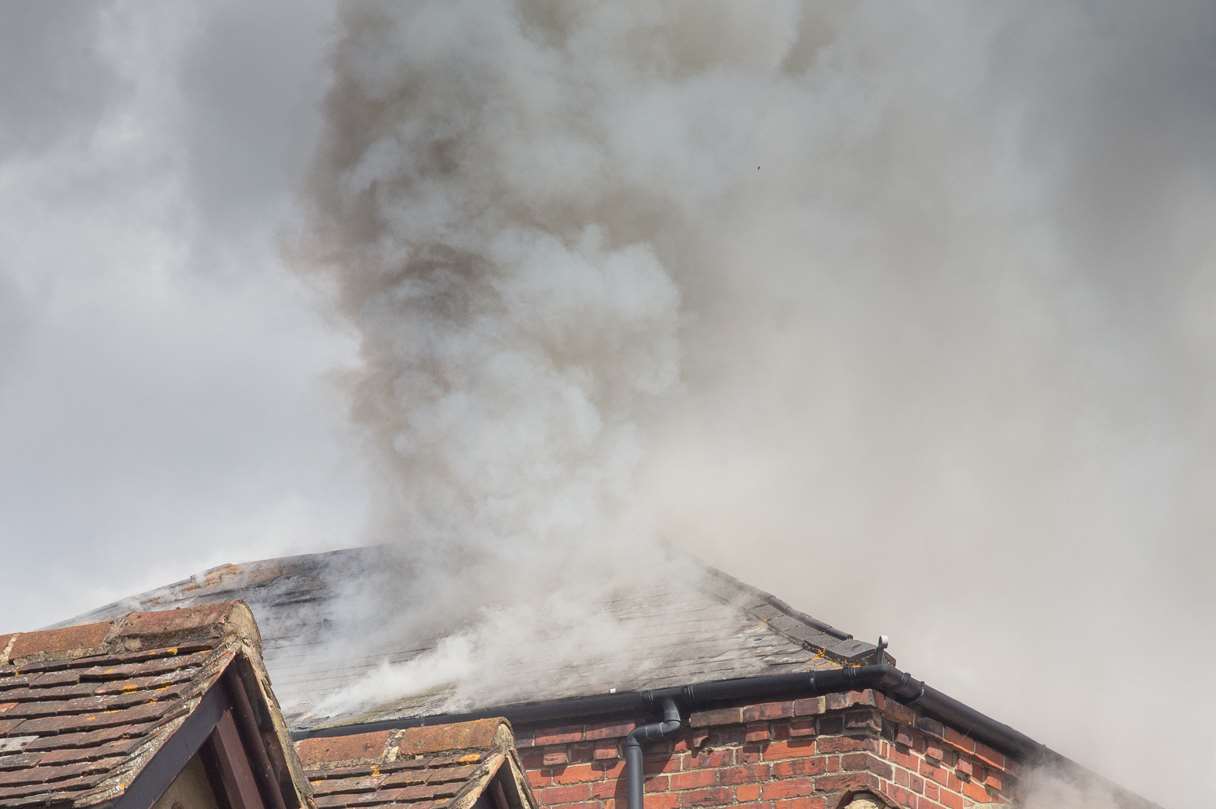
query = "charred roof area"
x=709 y=627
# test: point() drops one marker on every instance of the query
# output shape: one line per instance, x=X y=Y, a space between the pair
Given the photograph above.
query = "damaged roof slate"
x=713 y=628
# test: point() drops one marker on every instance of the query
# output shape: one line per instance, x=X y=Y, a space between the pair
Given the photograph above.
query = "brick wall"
x=809 y=753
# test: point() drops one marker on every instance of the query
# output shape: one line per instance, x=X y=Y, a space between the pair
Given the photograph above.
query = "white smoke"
x=819 y=283
x=1052 y=787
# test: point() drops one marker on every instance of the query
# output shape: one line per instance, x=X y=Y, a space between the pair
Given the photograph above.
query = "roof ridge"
x=784 y=619
x=133 y=632
x=383 y=747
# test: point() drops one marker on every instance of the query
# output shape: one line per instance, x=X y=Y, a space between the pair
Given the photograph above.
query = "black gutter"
x=896 y=684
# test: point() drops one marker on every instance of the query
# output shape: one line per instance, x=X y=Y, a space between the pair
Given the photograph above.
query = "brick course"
x=809 y=753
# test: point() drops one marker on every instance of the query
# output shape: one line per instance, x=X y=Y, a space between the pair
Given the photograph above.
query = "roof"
x=707 y=627
x=431 y=767
x=85 y=708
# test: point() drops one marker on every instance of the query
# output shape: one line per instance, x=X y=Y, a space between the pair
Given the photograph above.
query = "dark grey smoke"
x=933 y=357
x=936 y=281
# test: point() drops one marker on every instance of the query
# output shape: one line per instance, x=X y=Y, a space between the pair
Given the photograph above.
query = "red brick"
x=768 y=710
x=664 y=800
x=901 y=777
x=936 y=773
x=863 y=720
x=897 y=712
x=846 y=781
x=605 y=751
x=989 y=756
x=864 y=697
x=811 y=765
x=931 y=726
x=756 y=732
x=716 y=796
x=950 y=800
x=565 y=794
x=720 y=716
x=751 y=753
x=652 y=765
x=831 y=725
x=597 y=732
x=933 y=750
x=803 y=803
x=577 y=774
x=976 y=792
x=656 y=783
x=610 y=769
x=793 y=748
x=710 y=758
x=994 y=780
x=802 y=727
x=789 y=788
x=532 y=759
x=602 y=790
x=901 y=796
x=694 y=780
x=964 y=743
x=905 y=760
x=743 y=774
x=865 y=761
x=538 y=779
x=916 y=784
x=931 y=790
x=965 y=766
x=811 y=706
x=580 y=753
x=747 y=792
x=845 y=744
x=560 y=735
x=553 y=758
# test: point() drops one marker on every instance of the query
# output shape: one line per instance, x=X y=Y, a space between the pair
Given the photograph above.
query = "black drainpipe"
x=631 y=747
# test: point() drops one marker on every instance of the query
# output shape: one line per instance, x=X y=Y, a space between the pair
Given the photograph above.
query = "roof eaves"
x=221 y=634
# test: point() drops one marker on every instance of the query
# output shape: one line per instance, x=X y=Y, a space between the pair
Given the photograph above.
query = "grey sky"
x=163 y=381
x=992 y=440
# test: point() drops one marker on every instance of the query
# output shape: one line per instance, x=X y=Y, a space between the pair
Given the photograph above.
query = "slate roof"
x=83 y=708
x=713 y=628
x=433 y=767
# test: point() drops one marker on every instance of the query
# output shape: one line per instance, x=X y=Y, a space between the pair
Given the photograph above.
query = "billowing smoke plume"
x=892 y=303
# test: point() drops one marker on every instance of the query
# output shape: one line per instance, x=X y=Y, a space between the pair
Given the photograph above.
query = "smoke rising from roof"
x=825 y=289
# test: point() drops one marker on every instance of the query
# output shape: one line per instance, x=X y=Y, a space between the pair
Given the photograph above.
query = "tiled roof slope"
x=434 y=767
x=84 y=708
x=712 y=628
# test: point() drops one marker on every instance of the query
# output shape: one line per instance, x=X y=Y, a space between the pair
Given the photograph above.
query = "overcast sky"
x=163 y=380
x=169 y=394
